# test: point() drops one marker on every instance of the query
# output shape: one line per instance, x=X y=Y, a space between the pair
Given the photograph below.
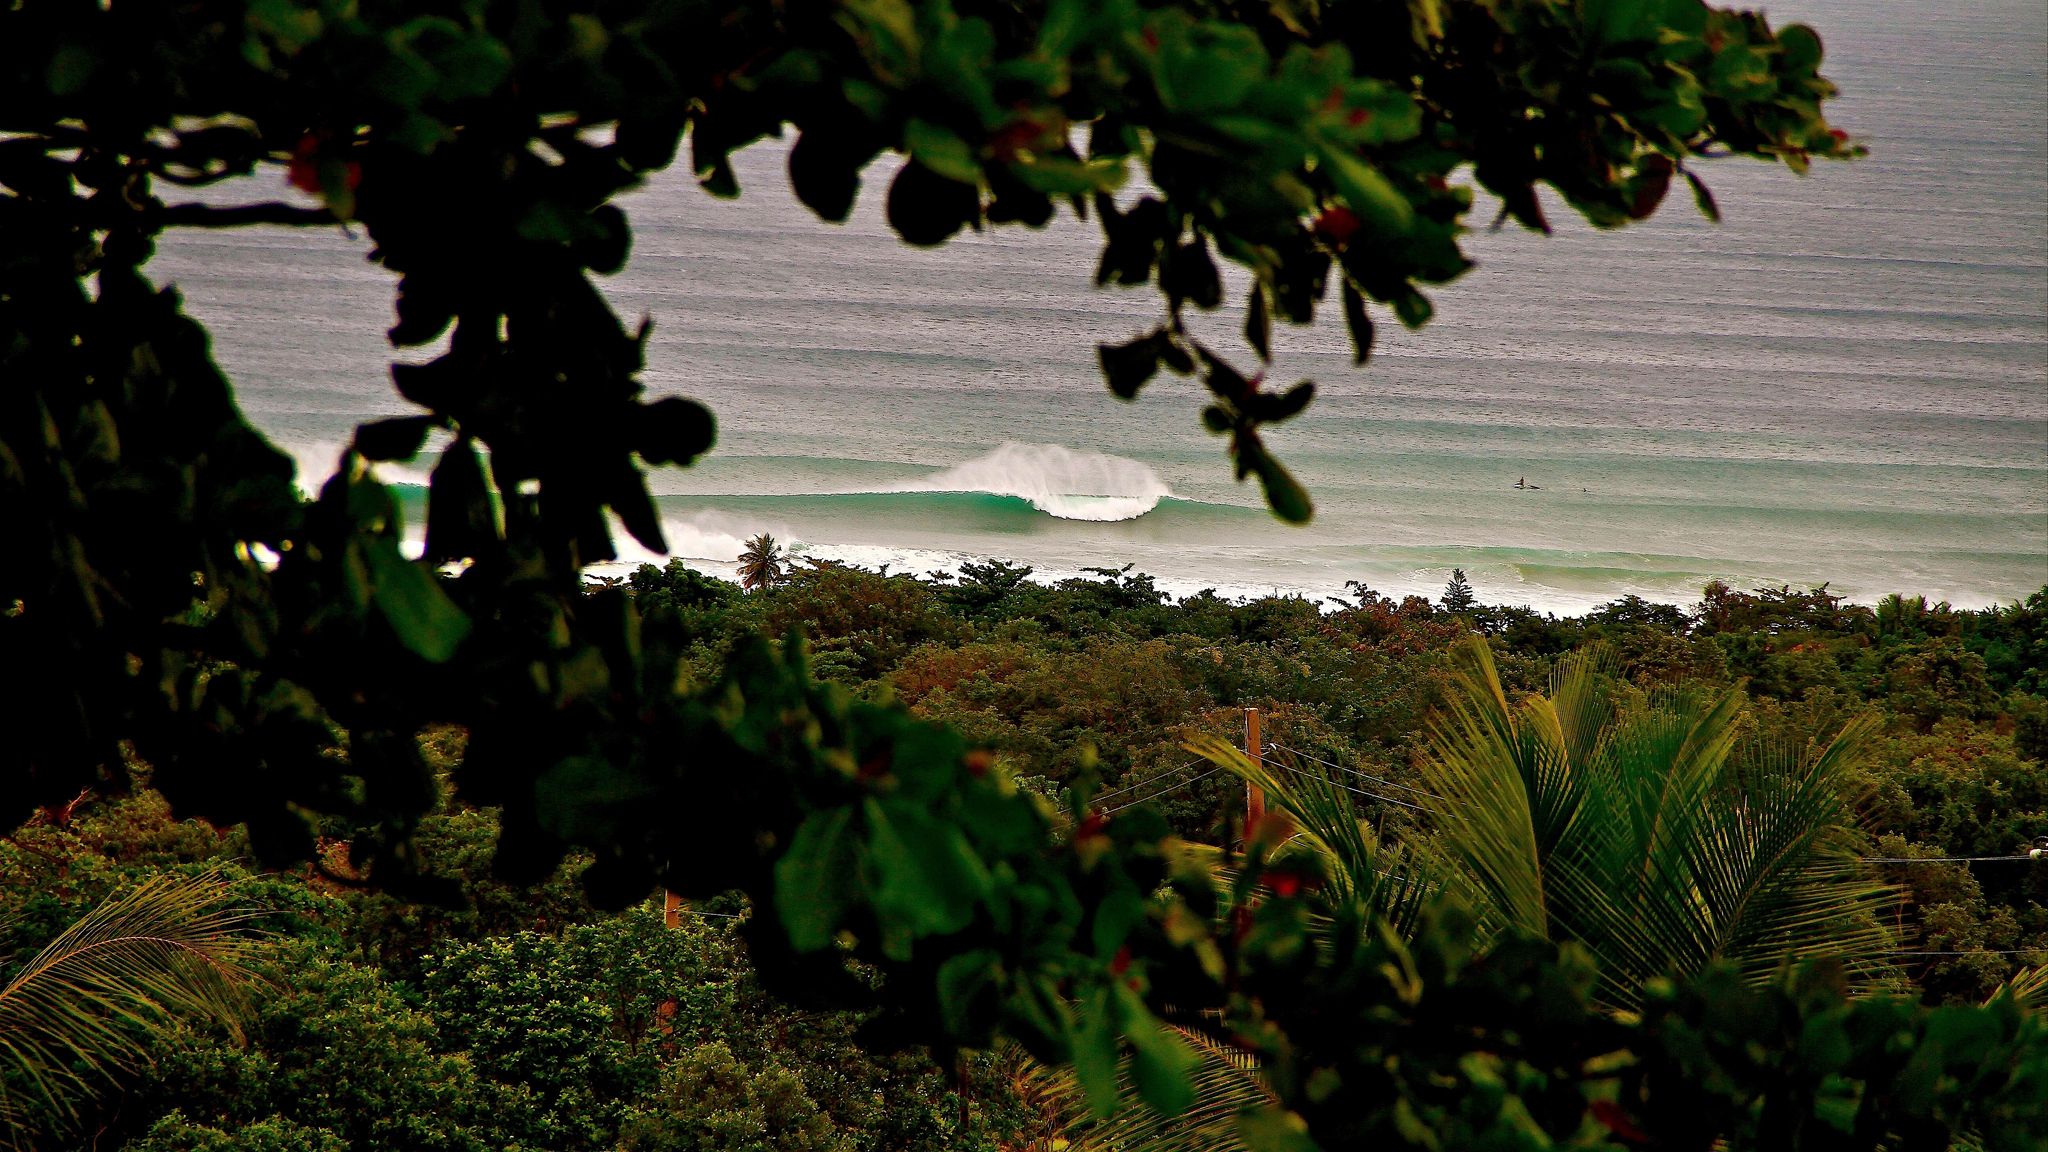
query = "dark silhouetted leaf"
x=395 y=439
x=926 y=209
x=1703 y=196
x=1128 y=366
x=648 y=142
x=1271 y=408
x=1258 y=323
x=604 y=241
x=1413 y=308
x=1186 y=272
x=1360 y=324
x=824 y=173
x=461 y=521
x=1222 y=379
x=1288 y=499
x=673 y=431
x=627 y=496
x=1653 y=179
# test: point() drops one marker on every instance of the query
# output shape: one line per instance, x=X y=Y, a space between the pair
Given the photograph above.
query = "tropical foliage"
x=1631 y=827
x=483 y=1025
x=482 y=145
x=528 y=1021
x=760 y=566
x=272 y=663
x=75 y=1015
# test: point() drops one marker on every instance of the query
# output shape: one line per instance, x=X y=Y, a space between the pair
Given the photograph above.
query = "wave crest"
x=1058 y=481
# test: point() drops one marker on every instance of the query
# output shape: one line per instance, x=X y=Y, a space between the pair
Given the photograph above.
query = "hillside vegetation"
x=530 y=1020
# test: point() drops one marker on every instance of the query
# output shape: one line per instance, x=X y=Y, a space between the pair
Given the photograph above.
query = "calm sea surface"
x=1845 y=381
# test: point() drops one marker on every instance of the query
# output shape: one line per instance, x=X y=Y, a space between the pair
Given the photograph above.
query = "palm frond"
x=68 y=1019
x=1626 y=827
x=1505 y=793
x=1226 y=1082
x=2028 y=987
x=1364 y=880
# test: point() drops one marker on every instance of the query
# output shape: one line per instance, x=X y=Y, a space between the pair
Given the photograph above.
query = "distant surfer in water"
x=1524 y=483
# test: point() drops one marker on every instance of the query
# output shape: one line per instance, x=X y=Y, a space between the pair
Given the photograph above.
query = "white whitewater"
x=1057 y=481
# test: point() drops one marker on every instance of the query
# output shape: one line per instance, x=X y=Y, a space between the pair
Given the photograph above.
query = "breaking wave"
x=1058 y=481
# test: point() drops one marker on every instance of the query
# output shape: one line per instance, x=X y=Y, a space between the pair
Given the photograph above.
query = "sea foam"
x=1058 y=481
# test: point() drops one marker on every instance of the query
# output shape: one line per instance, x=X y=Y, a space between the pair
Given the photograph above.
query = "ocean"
x=1846 y=381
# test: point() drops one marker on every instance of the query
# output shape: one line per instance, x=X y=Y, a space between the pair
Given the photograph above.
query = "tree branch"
x=203 y=216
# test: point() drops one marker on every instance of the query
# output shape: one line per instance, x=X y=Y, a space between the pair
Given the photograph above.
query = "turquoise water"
x=1845 y=381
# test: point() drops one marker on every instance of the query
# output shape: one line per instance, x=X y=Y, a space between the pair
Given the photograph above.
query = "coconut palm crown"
x=761 y=565
x=1625 y=821
x=1621 y=820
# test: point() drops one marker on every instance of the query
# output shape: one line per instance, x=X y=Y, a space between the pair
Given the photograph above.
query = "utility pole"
x=1254 y=796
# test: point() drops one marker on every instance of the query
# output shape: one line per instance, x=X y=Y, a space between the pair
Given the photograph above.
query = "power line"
x=1940 y=859
x=1163 y=791
x=1354 y=771
x=1143 y=784
x=1346 y=787
x=1978 y=952
x=1341 y=784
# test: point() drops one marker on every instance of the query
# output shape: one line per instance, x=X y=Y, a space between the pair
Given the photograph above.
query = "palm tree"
x=72 y=1017
x=1628 y=825
x=761 y=563
x=1624 y=824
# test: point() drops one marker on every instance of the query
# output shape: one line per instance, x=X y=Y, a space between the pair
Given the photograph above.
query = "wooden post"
x=671 y=909
x=1254 y=796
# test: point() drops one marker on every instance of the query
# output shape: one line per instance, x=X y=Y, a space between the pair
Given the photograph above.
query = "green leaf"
x=1800 y=49
x=1413 y=308
x=818 y=879
x=960 y=979
x=71 y=68
x=1160 y=1060
x=941 y=150
x=1837 y=1101
x=1379 y=205
x=1094 y=1048
x=1121 y=910
x=422 y=615
x=580 y=798
x=927 y=877
x=1061 y=176
x=1209 y=67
